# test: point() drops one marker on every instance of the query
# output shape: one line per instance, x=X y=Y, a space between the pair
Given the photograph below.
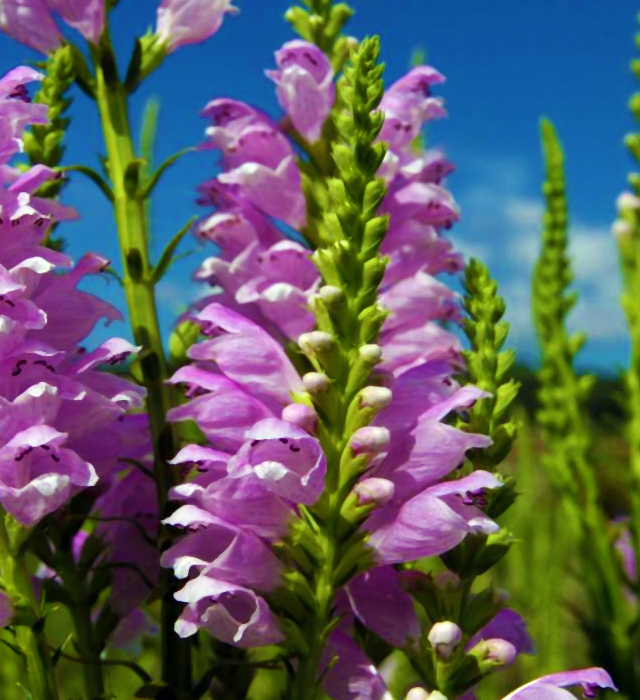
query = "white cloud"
x=594 y=262
x=502 y=225
x=523 y=213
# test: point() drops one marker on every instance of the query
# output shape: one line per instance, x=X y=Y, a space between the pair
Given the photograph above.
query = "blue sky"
x=507 y=62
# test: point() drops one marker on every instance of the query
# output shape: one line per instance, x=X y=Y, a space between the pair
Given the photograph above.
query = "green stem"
x=92 y=671
x=80 y=610
x=131 y=220
x=306 y=683
x=40 y=677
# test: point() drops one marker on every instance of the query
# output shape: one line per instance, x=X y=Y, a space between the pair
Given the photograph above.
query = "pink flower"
x=182 y=22
x=305 y=86
x=283 y=457
x=231 y=613
x=30 y=22
x=432 y=522
x=590 y=679
x=351 y=675
x=87 y=16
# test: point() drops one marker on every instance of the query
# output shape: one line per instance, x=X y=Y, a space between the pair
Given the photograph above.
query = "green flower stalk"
x=487 y=366
x=43 y=143
x=322 y=25
x=29 y=617
x=562 y=394
x=348 y=319
x=566 y=432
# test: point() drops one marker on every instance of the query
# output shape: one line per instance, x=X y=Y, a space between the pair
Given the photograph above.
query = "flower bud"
x=375 y=397
x=494 y=652
x=621 y=229
x=447 y=580
x=436 y=695
x=444 y=637
x=330 y=295
x=301 y=415
x=374 y=490
x=627 y=201
x=316 y=342
x=370 y=440
x=315 y=383
x=182 y=338
x=370 y=353
x=417 y=694
x=6 y=610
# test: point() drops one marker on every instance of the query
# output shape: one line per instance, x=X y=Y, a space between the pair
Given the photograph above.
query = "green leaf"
x=148 y=187
x=95 y=177
x=135 y=67
x=15 y=649
x=167 y=256
x=55 y=657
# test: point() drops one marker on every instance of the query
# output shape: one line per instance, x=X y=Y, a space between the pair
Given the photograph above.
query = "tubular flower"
x=32 y=21
x=552 y=686
x=182 y=22
x=243 y=392
x=87 y=16
x=57 y=409
x=305 y=86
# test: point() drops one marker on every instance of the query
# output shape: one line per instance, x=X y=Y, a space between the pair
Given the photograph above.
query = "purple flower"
x=130 y=505
x=285 y=458
x=350 y=675
x=378 y=601
x=130 y=629
x=225 y=410
x=30 y=22
x=38 y=473
x=282 y=285
x=87 y=16
x=6 y=610
x=246 y=354
x=624 y=546
x=550 y=687
x=430 y=523
x=225 y=552
x=182 y=22
x=230 y=613
x=275 y=191
x=305 y=86
x=407 y=104
x=249 y=140
x=508 y=626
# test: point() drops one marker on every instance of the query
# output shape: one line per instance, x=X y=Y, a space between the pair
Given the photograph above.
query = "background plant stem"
x=131 y=220
x=40 y=678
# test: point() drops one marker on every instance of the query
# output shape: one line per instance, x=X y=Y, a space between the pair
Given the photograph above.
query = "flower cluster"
x=245 y=394
x=64 y=421
x=270 y=274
